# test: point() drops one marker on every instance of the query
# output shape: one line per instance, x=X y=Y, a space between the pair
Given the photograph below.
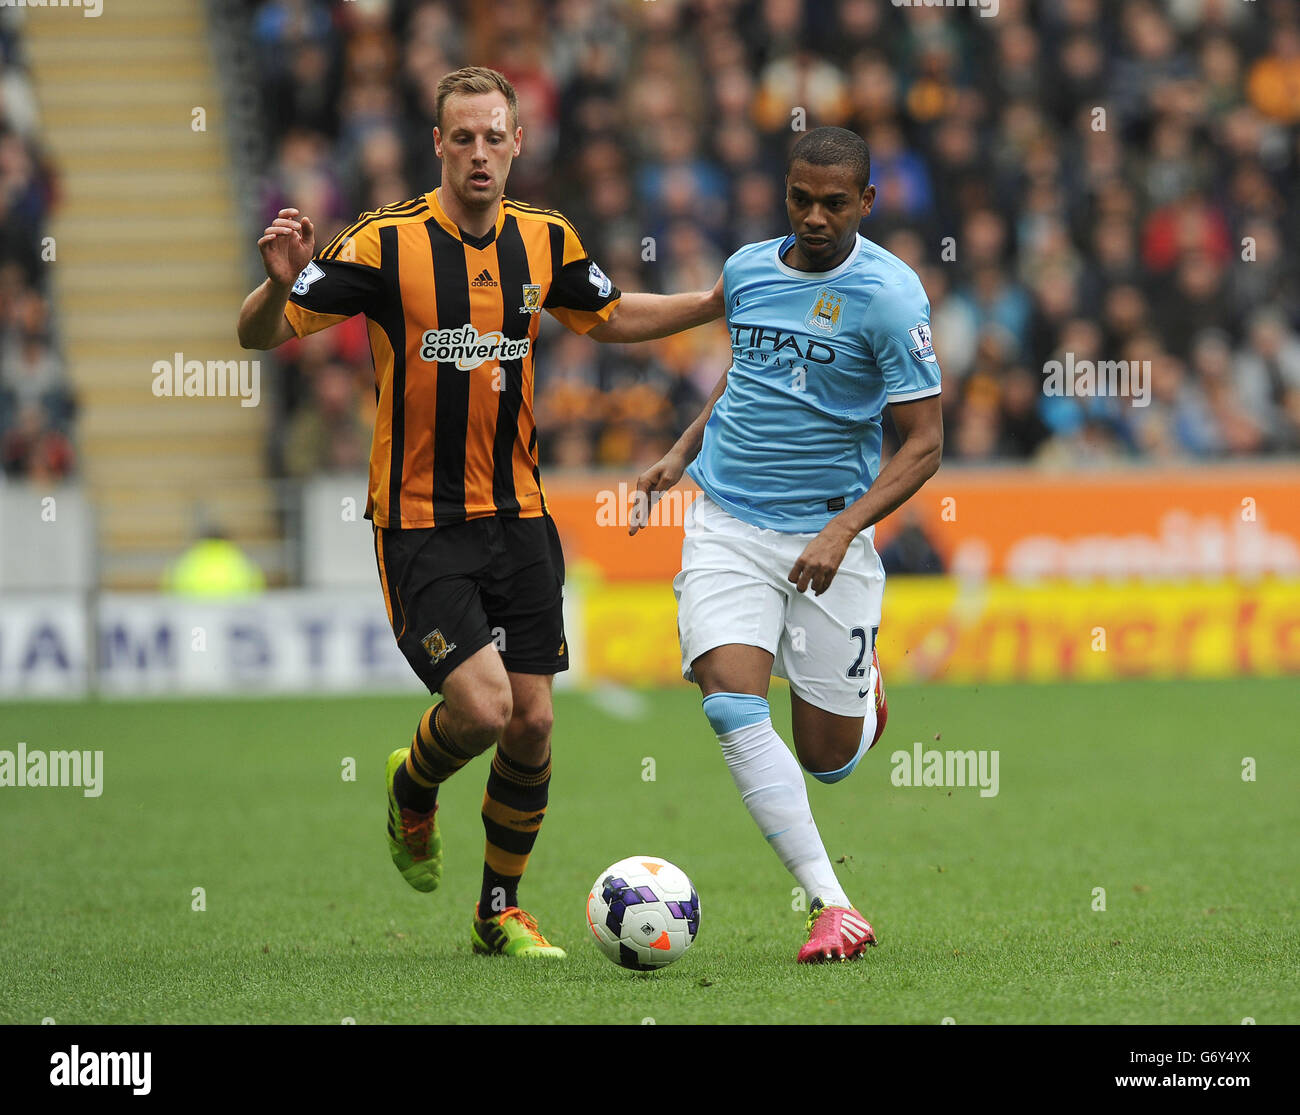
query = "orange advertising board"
x=1194 y=573
x=591 y=513
x=1206 y=522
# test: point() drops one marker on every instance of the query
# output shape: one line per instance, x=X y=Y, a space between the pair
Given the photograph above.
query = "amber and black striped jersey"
x=453 y=323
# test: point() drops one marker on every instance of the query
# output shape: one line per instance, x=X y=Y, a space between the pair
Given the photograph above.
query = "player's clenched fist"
x=287 y=246
x=820 y=561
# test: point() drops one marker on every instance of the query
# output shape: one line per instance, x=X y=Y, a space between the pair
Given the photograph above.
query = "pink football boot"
x=835 y=933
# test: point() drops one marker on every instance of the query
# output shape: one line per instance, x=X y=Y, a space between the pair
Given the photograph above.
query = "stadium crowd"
x=1082 y=178
x=36 y=401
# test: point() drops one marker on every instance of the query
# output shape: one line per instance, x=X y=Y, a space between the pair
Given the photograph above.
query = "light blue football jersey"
x=795 y=437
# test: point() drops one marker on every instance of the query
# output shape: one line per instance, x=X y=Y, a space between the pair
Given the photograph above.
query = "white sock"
x=771 y=785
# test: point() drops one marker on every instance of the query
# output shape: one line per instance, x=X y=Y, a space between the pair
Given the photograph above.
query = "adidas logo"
x=853 y=928
x=528 y=822
x=483 y=278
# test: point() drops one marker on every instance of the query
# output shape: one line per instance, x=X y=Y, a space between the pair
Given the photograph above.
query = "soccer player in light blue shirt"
x=826 y=329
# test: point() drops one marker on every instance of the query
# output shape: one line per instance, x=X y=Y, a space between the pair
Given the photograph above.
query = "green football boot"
x=413 y=837
x=511 y=933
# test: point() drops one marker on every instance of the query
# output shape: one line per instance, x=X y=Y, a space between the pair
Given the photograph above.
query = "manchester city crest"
x=827 y=310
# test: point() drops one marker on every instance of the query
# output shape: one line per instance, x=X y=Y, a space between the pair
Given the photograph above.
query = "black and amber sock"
x=433 y=759
x=513 y=808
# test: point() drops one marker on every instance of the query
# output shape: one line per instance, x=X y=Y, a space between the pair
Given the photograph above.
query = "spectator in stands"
x=910 y=550
x=329 y=435
x=32 y=449
x=1038 y=225
x=1274 y=82
x=1268 y=377
x=27 y=365
x=36 y=403
x=1022 y=429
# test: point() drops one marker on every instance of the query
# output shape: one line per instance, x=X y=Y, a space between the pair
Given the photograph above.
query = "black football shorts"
x=451 y=590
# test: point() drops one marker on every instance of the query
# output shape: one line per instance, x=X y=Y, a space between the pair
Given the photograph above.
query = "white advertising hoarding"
x=66 y=645
x=278 y=642
x=44 y=645
x=292 y=641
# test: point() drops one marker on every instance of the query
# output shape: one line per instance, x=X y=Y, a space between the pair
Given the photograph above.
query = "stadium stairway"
x=150 y=261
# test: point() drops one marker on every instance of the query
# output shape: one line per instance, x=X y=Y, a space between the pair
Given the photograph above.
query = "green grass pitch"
x=983 y=906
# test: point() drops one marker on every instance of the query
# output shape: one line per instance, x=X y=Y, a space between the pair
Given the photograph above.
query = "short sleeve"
x=581 y=294
x=897 y=329
x=728 y=283
x=342 y=280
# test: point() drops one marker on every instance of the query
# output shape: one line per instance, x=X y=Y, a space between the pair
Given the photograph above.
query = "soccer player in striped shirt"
x=452 y=284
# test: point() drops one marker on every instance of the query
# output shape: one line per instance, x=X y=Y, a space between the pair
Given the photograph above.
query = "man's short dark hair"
x=834 y=147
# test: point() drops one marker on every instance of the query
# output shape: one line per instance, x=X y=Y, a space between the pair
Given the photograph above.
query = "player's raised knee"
x=828 y=768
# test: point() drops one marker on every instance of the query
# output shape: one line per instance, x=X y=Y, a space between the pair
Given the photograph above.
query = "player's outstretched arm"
x=920 y=428
x=662 y=475
x=287 y=246
x=646 y=317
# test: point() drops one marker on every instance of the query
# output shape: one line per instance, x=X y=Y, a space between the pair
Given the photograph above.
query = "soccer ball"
x=643 y=912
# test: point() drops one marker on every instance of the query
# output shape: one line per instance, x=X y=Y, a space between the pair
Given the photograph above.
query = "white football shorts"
x=733 y=589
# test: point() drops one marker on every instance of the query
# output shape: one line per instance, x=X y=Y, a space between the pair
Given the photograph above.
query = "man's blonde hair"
x=471 y=80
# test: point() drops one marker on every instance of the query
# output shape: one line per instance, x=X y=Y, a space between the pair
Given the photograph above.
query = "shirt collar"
x=440 y=215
